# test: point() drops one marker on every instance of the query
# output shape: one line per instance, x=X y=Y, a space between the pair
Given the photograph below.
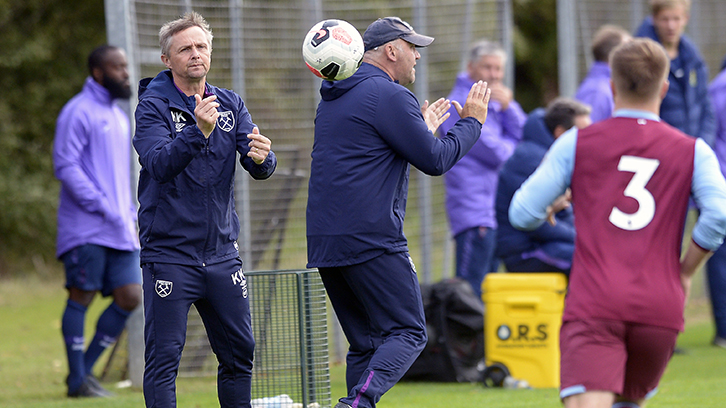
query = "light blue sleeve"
x=708 y=189
x=528 y=209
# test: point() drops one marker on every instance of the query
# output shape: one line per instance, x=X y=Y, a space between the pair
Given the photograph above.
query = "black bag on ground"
x=455 y=326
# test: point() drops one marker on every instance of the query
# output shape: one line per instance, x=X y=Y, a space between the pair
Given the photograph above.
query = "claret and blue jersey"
x=631 y=177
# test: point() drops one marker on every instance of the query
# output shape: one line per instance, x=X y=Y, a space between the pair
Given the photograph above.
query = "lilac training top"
x=471 y=185
x=91 y=158
x=595 y=91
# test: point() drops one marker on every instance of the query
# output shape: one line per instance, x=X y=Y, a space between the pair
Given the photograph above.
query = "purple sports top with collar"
x=91 y=158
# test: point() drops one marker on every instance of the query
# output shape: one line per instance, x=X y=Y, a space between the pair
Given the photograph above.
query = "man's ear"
x=391 y=51
x=664 y=89
x=166 y=61
x=470 y=69
x=558 y=131
x=97 y=74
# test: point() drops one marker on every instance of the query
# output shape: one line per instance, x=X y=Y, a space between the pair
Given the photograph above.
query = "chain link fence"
x=289 y=324
x=257 y=53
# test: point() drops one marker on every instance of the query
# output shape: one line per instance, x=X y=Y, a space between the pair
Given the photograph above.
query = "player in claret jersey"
x=631 y=177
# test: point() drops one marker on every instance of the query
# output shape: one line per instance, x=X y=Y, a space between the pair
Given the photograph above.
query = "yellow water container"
x=522 y=322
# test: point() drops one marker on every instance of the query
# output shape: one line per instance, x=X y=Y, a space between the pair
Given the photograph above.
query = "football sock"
x=72 y=329
x=109 y=327
x=625 y=404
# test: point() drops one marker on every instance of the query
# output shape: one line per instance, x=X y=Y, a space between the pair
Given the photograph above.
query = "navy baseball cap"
x=388 y=29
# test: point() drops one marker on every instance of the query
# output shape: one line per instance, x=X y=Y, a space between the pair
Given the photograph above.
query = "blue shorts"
x=96 y=268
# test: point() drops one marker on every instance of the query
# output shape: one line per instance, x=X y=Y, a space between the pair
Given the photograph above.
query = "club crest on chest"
x=225 y=121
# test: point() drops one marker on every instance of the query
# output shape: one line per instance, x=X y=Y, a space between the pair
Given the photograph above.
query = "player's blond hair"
x=188 y=20
x=639 y=68
x=656 y=6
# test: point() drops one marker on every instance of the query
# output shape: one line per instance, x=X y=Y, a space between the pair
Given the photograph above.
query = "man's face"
x=489 y=68
x=116 y=74
x=189 y=54
x=670 y=23
x=406 y=73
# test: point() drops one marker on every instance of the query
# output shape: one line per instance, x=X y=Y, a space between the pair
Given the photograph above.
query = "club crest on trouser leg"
x=163 y=288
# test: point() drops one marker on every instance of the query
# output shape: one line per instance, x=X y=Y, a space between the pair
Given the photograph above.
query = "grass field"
x=33 y=367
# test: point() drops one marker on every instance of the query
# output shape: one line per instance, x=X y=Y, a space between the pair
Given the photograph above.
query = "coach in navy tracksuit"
x=368 y=129
x=188 y=134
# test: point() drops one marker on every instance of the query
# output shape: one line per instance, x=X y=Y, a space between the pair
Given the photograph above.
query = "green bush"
x=43 y=64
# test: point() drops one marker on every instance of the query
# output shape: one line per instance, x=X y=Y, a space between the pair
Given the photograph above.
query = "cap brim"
x=418 y=39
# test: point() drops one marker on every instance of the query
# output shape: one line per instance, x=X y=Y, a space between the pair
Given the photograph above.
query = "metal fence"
x=257 y=53
x=289 y=323
x=579 y=19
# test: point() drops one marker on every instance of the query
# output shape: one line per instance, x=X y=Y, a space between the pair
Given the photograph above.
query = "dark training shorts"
x=93 y=267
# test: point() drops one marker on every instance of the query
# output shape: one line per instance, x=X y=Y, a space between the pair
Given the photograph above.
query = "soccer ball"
x=333 y=49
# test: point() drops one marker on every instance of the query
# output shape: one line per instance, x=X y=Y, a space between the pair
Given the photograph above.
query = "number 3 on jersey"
x=644 y=170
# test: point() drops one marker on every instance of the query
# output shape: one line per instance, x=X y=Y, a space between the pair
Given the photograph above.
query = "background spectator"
x=548 y=248
x=686 y=106
x=472 y=183
x=97 y=238
x=595 y=88
x=716 y=265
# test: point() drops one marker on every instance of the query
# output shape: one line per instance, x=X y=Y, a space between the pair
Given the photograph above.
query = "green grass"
x=692 y=380
x=33 y=367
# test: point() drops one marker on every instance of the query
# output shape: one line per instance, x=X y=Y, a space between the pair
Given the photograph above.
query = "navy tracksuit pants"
x=219 y=293
x=378 y=304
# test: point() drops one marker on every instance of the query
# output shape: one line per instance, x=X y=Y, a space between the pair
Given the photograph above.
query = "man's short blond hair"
x=656 y=6
x=639 y=68
x=188 y=20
